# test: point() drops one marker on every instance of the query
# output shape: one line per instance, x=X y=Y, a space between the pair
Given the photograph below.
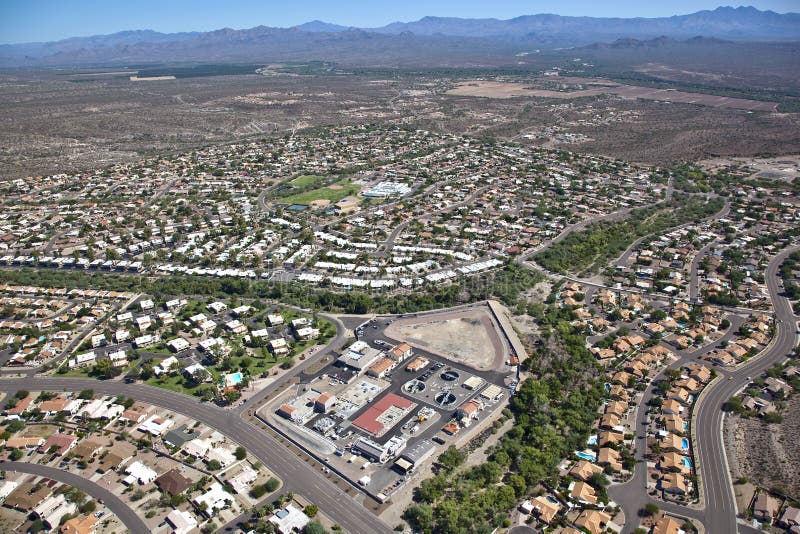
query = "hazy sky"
x=48 y=20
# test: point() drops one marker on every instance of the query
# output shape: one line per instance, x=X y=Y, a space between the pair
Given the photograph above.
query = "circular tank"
x=414 y=386
x=450 y=376
x=445 y=398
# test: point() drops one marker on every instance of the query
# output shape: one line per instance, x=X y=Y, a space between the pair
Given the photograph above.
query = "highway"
x=128 y=517
x=297 y=475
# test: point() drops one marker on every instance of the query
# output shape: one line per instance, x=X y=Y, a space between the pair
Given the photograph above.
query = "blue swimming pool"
x=592 y=440
x=685 y=443
x=588 y=456
x=608 y=387
x=687 y=462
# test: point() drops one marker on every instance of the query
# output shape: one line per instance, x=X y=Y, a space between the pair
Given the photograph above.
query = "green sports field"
x=323 y=193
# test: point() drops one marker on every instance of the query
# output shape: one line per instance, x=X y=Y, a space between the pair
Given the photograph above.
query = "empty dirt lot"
x=767 y=454
x=468 y=337
x=513 y=90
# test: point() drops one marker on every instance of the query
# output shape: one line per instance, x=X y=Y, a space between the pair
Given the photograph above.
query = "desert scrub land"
x=766 y=454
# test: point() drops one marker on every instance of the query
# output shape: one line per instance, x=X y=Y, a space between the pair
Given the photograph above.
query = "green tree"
x=650 y=510
x=214 y=465
x=314 y=528
x=311 y=510
x=272 y=484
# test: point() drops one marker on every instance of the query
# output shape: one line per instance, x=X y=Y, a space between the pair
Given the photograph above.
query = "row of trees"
x=505 y=284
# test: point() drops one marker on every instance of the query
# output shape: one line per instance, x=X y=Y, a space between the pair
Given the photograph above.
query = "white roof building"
x=224 y=456
x=6 y=487
x=155 y=425
x=215 y=498
x=165 y=366
x=138 y=472
x=197 y=447
x=241 y=482
x=178 y=344
x=122 y=335
x=87 y=358
x=260 y=333
x=289 y=519
x=53 y=508
x=181 y=522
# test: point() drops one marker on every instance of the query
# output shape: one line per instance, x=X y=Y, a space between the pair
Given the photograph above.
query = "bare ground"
x=467 y=337
x=50 y=124
x=767 y=454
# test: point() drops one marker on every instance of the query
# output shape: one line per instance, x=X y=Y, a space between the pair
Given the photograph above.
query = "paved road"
x=694 y=278
x=709 y=445
x=336 y=343
x=128 y=517
x=297 y=475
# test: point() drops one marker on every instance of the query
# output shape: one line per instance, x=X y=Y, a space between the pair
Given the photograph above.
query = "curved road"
x=297 y=475
x=709 y=446
x=128 y=517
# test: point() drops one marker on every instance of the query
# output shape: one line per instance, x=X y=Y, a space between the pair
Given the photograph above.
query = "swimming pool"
x=687 y=462
x=235 y=378
x=685 y=443
x=608 y=387
x=588 y=456
x=592 y=440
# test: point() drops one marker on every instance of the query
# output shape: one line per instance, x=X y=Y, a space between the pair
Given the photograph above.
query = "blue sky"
x=48 y=20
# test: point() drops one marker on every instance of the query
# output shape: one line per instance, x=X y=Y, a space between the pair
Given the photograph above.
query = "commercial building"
x=415 y=455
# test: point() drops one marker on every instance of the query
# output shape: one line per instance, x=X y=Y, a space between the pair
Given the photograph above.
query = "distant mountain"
x=317 y=26
x=431 y=41
x=741 y=23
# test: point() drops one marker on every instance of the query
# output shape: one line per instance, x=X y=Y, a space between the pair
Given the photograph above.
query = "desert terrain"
x=56 y=123
x=766 y=454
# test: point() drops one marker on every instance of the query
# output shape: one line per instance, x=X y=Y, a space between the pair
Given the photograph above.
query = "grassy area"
x=78 y=372
x=306 y=180
x=175 y=383
x=324 y=193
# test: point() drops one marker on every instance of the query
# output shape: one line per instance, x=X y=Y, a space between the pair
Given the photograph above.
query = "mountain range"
x=426 y=42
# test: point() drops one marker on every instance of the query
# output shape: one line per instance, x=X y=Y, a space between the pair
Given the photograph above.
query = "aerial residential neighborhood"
x=430 y=268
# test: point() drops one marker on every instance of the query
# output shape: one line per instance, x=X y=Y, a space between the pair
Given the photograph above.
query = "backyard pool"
x=685 y=443
x=687 y=462
x=586 y=455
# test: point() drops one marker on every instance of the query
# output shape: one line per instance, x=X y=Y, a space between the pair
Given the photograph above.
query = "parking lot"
x=412 y=403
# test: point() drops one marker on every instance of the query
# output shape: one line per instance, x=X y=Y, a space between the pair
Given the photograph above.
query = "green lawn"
x=173 y=383
x=306 y=180
x=323 y=193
